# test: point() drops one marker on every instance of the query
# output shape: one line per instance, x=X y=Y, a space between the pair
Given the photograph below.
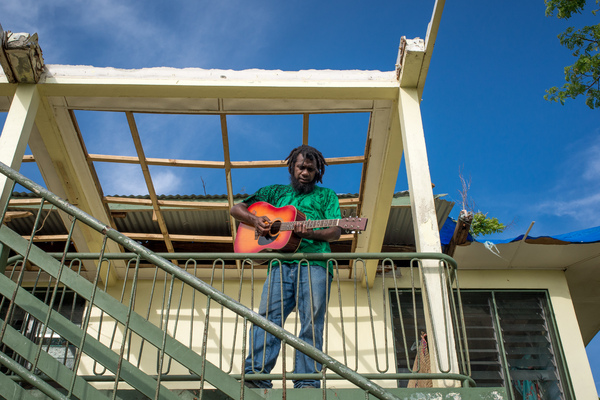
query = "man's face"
x=303 y=178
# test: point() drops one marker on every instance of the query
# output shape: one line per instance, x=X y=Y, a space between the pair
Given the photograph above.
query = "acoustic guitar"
x=281 y=236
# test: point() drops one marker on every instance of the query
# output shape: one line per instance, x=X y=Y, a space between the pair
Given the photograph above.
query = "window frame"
x=549 y=318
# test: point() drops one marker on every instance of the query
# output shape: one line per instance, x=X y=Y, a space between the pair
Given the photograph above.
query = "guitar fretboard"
x=320 y=223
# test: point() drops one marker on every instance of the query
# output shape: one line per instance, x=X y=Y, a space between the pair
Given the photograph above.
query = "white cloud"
x=121 y=179
x=591 y=157
x=134 y=34
x=125 y=179
x=166 y=182
x=583 y=209
x=577 y=192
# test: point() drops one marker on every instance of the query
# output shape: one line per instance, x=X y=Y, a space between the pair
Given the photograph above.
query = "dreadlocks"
x=309 y=153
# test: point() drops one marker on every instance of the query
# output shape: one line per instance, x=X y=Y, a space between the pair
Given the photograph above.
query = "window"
x=510 y=336
x=68 y=304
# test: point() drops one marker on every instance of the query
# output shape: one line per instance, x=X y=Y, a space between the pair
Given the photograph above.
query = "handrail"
x=199 y=285
x=261 y=256
x=159 y=260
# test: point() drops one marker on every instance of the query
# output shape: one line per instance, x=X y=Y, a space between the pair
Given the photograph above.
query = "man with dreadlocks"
x=289 y=281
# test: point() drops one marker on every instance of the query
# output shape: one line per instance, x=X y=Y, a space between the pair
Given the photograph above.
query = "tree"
x=484 y=225
x=583 y=77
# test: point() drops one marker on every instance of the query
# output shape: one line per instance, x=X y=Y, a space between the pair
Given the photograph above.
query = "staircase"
x=28 y=362
x=65 y=334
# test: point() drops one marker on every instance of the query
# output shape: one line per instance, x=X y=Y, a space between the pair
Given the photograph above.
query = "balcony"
x=179 y=328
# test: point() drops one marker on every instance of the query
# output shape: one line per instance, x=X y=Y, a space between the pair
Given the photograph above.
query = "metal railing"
x=154 y=344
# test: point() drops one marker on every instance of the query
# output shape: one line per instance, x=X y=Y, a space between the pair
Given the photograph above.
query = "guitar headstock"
x=353 y=223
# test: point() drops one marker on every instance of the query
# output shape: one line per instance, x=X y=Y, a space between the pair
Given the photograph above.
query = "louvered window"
x=511 y=338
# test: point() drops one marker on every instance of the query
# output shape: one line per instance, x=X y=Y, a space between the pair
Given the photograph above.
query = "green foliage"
x=583 y=77
x=484 y=225
x=564 y=8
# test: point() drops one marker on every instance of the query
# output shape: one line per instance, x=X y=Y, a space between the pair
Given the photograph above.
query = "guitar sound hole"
x=271 y=236
x=275 y=227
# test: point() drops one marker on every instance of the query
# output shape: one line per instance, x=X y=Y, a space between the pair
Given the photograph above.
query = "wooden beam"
x=10 y=215
x=461 y=231
x=305 y=118
x=349 y=201
x=179 y=238
x=430 y=38
x=159 y=237
x=282 y=163
x=212 y=164
x=194 y=83
x=229 y=182
x=169 y=162
x=361 y=191
x=48 y=238
x=15 y=133
x=142 y=157
x=66 y=172
x=379 y=178
x=202 y=205
x=195 y=205
x=26 y=202
x=411 y=55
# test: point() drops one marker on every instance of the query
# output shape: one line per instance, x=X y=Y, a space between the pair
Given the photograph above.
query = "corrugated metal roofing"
x=399 y=229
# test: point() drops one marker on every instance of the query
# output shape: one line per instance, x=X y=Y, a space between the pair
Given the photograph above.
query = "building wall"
x=566 y=321
x=358 y=341
x=365 y=341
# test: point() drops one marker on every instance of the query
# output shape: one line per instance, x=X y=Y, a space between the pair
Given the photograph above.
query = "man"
x=289 y=281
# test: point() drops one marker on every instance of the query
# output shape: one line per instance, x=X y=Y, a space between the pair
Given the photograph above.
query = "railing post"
x=4 y=250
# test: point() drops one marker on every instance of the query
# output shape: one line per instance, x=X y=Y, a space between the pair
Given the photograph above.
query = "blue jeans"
x=293 y=285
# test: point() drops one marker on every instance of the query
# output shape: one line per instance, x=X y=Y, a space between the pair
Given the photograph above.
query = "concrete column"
x=435 y=297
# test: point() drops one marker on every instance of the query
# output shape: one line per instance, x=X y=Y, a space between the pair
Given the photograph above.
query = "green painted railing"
x=60 y=278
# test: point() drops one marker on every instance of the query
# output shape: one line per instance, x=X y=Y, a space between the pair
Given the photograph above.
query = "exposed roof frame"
x=235 y=105
x=196 y=91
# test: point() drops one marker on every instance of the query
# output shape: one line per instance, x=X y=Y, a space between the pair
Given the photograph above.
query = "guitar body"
x=284 y=241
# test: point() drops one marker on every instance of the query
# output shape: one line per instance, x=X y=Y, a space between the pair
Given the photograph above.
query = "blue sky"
x=483 y=109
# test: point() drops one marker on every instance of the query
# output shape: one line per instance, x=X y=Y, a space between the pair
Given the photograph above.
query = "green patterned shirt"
x=321 y=203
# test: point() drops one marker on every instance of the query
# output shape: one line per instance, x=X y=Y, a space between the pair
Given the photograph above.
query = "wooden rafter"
x=361 y=190
x=305 y=118
x=10 y=215
x=303 y=94
x=169 y=162
x=158 y=236
x=90 y=164
x=179 y=238
x=181 y=204
x=229 y=182
x=142 y=157
x=203 y=205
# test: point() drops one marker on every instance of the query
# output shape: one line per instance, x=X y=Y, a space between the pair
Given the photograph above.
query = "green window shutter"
x=511 y=337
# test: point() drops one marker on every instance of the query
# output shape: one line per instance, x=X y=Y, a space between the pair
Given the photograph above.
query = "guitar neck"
x=320 y=223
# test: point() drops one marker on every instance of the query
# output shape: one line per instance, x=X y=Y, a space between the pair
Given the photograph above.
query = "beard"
x=302 y=188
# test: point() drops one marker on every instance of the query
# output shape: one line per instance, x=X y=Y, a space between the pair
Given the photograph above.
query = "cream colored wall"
x=370 y=349
x=366 y=350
